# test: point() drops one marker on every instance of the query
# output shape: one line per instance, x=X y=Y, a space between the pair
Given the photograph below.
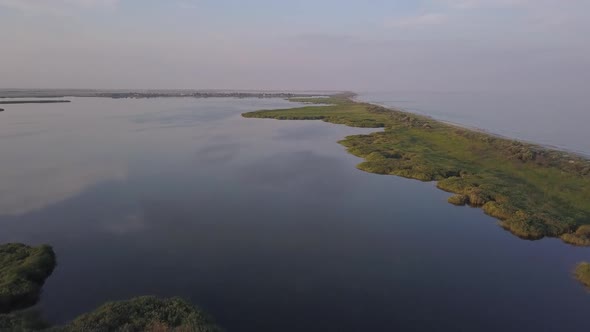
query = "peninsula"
x=534 y=191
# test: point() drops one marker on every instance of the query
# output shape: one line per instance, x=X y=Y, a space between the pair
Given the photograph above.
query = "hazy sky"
x=537 y=45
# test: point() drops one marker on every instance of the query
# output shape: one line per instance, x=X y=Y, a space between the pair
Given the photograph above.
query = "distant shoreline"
x=141 y=94
x=16 y=102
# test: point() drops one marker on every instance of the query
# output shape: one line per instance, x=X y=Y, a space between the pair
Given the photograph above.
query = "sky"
x=369 y=45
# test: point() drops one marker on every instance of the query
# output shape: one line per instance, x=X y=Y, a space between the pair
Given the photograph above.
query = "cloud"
x=428 y=19
x=188 y=5
x=56 y=6
x=477 y=4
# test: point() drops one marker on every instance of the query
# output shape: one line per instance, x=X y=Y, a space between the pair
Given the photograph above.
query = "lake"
x=267 y=225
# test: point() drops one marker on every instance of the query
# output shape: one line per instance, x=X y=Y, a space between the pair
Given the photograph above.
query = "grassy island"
x=143 y=314
x=533 y=191
x=582 y=273
x=23 y=271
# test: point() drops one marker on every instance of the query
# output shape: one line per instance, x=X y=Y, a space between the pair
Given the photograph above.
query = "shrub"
x=525 y=226
x=582 y=273
x=579 y=238
x=458 y=200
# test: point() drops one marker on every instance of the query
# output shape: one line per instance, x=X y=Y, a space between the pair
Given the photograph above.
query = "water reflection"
x=268 y=226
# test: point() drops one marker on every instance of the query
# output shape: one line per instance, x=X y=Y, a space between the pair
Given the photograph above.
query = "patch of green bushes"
x=140 y=314
x=23 y=271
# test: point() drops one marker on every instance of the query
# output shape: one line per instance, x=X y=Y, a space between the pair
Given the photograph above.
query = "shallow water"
x=265 y=224
x=556 y=119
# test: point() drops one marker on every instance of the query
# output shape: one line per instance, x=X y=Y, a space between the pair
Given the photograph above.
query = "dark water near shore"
x=557 y=119
x=265 y=224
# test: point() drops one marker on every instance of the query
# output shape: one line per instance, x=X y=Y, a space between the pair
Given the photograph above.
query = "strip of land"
x=141 y=94
x=534 y=191
x=16 y=102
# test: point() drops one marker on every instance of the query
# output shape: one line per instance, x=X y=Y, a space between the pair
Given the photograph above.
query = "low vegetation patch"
x=23 y=271
x=533 y=191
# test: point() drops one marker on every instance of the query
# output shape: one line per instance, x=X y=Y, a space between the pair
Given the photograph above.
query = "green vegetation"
x=23 y=271
x=143 y=314
x=582 y=273
x=22 y=321
x=533 y=191
x=140 y=314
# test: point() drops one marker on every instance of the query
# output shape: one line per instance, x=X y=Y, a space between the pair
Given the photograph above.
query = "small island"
x=23 y=271
x=534 y=191
x=141 y=314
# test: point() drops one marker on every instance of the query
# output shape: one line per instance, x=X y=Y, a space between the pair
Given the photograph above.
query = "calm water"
x=556 y=119
x=265 y=224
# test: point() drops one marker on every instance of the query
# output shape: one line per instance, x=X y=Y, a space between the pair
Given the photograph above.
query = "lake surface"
x=557 y=119
x=265 y=224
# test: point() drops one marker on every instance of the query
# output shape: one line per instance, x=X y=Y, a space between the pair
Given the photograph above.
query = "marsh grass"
x=533 y=191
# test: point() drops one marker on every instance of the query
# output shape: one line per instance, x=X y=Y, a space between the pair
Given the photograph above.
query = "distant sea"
x=559 y=120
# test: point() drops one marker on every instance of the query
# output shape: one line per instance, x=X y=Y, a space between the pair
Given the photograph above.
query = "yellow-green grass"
x=23 y=271
x=533 y=191
x=582 y=273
